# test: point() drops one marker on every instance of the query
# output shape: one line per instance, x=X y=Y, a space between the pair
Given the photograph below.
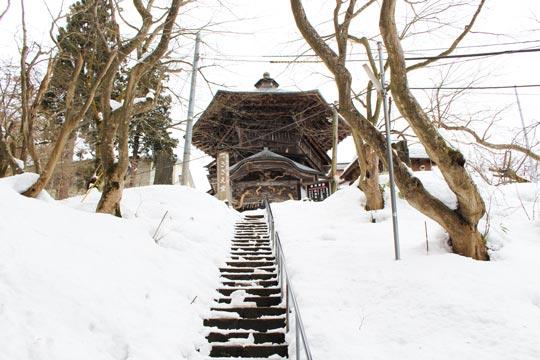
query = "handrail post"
x=287 y=312
x=285 y=287
x=297 y=330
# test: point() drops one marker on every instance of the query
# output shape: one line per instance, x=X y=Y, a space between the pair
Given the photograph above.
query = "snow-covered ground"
x=357 y=302
x=79 y=285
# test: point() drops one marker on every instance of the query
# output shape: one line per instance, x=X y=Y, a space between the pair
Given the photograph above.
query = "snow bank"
x=81 y=285
x=358 y=303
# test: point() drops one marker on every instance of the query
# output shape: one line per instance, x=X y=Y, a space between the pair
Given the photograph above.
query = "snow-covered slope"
x=79 y=285
x=357 y=302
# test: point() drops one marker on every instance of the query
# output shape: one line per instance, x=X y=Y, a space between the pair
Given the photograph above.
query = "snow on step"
x=248 y=319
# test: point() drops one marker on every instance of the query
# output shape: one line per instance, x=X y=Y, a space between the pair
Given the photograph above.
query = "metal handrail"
x=286 y=286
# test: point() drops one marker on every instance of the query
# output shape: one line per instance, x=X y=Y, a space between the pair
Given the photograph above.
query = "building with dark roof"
x=276 y=141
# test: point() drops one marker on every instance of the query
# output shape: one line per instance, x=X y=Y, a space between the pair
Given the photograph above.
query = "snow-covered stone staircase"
x=249 y=319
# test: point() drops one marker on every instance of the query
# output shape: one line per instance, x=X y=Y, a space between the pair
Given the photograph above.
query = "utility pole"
x=532 y=171
x=380 y=85
x=186 y=175
x=389 y=155
x=333 y=172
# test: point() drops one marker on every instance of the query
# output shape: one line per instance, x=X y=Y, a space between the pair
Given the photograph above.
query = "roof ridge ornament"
x=266 y=82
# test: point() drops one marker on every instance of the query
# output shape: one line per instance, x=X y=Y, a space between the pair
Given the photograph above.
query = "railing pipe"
x=287 y=307
x=297 y=338
x=286 y=288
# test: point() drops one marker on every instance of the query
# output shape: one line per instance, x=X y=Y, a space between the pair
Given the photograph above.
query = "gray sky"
x=250 y=29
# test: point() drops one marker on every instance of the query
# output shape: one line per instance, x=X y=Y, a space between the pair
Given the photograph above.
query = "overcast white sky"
x=233 y=52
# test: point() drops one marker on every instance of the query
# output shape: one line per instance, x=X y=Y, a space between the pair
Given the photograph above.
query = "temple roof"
x=266 y=111
x=270 y=155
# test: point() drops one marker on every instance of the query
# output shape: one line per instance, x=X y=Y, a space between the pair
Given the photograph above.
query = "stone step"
x=264 y=301
x=251 y=291
x=247 y=270
x=247 y=240
x=257 y=276
x=253 y=258
x=250 y=242
x=259 y=250
x=257 y=234
x=265 y=250
x=246 y=324
x=255 y=253
x=253 y=234
x=248 y=351
x=259 y=244
x=259 y=338
x=261 y=232
x=251 y=230
x=258 y=283
x=253 y=264
x=250 y=246
x=253 y=312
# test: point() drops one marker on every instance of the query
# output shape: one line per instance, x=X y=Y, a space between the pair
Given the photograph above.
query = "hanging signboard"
x=318 y=191
x=223 y=181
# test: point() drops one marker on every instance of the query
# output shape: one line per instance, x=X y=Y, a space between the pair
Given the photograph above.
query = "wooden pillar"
x=333 y=172
x=223 y=180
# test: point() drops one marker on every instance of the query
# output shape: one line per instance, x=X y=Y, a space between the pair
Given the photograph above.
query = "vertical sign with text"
x=223 y=181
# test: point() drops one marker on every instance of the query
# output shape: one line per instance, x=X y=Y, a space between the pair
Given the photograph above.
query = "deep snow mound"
x=75 y=284
x=358 y=302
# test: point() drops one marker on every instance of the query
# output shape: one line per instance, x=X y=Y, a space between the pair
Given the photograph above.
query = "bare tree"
x=460 y=223
x=114 y=128
x=9 y=120
x=73 y=116
x=477 y=129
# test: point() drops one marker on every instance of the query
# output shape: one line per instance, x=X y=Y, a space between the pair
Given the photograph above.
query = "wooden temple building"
x=276 y=142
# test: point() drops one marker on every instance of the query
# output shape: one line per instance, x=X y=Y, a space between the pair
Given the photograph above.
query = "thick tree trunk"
x=72 y=118
x=368 y=182
x=109 y=203
x=7 y=160
x=47 y=172
x=461 y=223
x=114 y=171
x=115 y=124
x=451 y=162
x=67 y=170
x=135 y=158
x=466 y=240
x=164 y=163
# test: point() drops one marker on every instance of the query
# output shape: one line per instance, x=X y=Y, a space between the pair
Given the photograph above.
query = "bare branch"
x=454 y=44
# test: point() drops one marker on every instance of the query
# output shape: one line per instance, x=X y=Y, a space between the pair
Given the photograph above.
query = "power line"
x=492 y=53
x=363 y=53
x=296 y=122
x=474 y=87
x=456 y=56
